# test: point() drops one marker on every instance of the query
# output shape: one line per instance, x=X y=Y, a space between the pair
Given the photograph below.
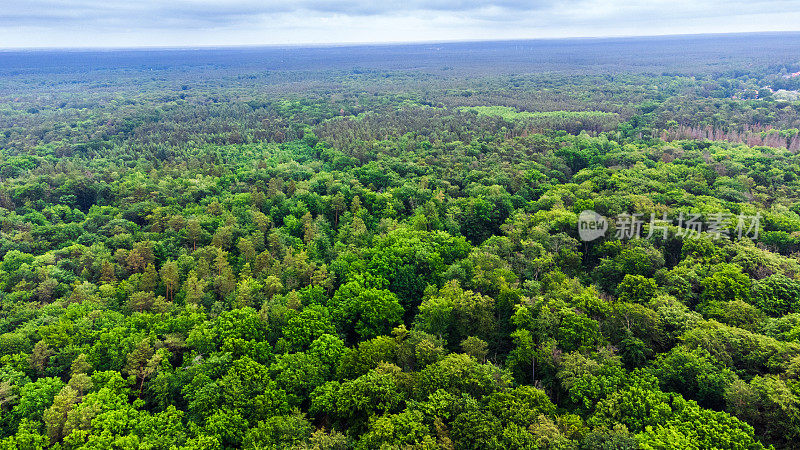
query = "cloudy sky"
x=126 y=23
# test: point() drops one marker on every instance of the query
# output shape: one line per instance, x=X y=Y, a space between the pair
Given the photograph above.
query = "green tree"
x=311 y=323
x=636 y=289
x=365 y=311
x=170 y=277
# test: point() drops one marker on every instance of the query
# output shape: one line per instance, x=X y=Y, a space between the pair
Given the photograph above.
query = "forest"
x=218 y=249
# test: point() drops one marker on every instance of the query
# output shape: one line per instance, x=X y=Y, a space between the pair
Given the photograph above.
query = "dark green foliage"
x=391 y=259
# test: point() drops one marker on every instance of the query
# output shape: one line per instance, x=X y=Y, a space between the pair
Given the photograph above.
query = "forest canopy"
x=220 y=255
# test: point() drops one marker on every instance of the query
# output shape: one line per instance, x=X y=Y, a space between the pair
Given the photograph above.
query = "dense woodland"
x=211 y=256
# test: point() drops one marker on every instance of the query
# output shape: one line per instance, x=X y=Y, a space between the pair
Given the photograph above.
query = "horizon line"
x=385 y=43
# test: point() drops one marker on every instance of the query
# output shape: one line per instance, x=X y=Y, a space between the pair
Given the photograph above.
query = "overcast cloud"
x=117 y=23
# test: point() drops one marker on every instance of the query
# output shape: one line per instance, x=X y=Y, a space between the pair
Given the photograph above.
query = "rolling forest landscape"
x=385 y=246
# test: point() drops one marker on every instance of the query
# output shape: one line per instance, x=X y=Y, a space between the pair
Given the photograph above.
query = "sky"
x=191 y=23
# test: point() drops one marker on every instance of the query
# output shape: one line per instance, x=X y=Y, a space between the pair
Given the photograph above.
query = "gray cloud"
x=205 y=22
x=153 y=12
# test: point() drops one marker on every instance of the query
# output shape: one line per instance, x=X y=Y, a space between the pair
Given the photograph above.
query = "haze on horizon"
x=116 y=23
